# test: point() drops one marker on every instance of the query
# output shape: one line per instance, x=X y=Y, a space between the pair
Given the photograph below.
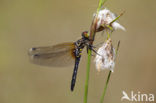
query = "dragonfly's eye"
x=85 y=34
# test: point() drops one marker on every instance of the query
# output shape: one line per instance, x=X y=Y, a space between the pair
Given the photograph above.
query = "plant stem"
x=101 y=3
x=87 y=76
x=117 y=17
x=106 y=84
x=105 y=88
x=91 y=37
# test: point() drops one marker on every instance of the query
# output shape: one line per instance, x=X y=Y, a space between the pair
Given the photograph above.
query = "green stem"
x=117 y=18
x=101 y=3
x=105 y=88
x=92 y=35
x=87 y=76
x=108 y=35
x=106 y=84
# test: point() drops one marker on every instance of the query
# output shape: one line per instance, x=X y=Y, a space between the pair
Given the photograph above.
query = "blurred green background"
x=28 y=23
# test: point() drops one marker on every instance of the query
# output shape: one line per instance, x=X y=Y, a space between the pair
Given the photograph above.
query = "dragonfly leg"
x=91 y=47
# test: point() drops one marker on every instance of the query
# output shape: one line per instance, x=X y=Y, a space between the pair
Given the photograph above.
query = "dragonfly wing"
x=57 y=55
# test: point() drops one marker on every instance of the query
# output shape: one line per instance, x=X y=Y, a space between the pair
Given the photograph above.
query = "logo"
x=137 y=96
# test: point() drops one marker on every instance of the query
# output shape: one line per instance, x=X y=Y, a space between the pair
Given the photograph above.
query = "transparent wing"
x=57 y=55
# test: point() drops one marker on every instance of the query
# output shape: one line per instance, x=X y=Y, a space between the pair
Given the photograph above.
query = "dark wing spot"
x=36 y=55
x=33 y=49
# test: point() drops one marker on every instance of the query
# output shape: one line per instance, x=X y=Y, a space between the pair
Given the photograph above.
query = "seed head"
x=105 y=17
x=105 y=58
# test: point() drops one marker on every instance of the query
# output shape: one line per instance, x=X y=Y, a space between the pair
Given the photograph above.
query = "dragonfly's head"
x=85 y=35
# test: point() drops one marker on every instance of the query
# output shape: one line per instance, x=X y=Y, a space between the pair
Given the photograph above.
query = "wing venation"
x=57 y=55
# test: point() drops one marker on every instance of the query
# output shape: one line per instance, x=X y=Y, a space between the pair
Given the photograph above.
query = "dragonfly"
x=61 y=55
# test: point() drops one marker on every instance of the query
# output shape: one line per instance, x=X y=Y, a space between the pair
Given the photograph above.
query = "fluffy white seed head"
x=105 y=58
x=105 y=17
